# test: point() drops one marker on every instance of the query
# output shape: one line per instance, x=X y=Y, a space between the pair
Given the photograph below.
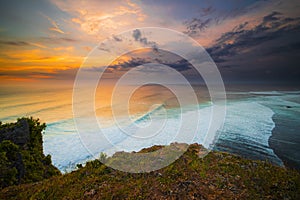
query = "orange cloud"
x=20 y=65
x=69 y=49
x=121 y=59
x=5 y=79
x=87 y=48
x=38 y=45
x=116 y=16
x=55 y=27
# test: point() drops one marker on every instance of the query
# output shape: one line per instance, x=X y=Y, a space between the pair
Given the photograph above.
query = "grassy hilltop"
x=217 y=176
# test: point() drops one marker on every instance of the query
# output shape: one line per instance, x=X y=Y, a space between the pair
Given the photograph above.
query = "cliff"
x=21 y=153
x=216 y=176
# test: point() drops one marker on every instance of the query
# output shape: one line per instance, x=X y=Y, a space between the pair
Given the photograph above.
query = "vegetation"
x=26 y=173
x=21 y=153
x=216 y=176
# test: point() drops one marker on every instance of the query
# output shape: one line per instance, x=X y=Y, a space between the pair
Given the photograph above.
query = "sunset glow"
x=53 y=37
x=149 y=99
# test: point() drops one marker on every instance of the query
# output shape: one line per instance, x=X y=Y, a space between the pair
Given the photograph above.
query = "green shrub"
x=24 y=163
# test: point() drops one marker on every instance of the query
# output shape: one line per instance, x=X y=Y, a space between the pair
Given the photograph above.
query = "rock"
x=92 y=192
x=211 y=187
x=237 y=177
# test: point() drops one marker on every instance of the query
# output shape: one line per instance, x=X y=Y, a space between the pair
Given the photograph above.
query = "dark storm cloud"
x=215 y=14
x=116 y=38
x=179 y=65
x=133 y=62
x=196 y=25
x=272 y=17
x=137 y=35
x=137 y=59
x=269 y=51
x=272 y=28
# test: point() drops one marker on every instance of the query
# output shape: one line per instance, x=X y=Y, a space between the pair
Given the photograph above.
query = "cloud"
x=196 y=25
x=55 y=27
x=116 y=38
x=14 y=43
x=37 y=60
x=141 y=57
x=159 y=63
x=95 y=16
x=20 y=43
x=210 y=20
x=266 y=51
x=57 y=40
x=272 y=17
x=55 y=74
x=41 y=43
x=215 y=15
x=137 y=35
x=67 y=39
x=240 y=38
x=103 y=47
x=180 y=65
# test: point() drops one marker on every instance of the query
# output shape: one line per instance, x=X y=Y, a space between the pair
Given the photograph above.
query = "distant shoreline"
x=283 y=142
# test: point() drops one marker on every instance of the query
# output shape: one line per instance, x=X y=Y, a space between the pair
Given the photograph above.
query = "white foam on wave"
x=171 y=131
x=248 y=124
x=63 y=143
x=66 y=147
x=267 y=93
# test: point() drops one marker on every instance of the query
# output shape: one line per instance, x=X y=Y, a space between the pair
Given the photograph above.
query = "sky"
x=46 y=41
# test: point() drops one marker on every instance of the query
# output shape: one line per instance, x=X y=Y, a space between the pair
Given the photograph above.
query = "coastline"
x=285 y=137
x=284 y=141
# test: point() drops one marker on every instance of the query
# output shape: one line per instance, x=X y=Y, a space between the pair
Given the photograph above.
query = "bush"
x=23 y=163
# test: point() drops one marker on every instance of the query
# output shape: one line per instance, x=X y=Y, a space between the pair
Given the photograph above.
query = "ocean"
x=260 y=125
